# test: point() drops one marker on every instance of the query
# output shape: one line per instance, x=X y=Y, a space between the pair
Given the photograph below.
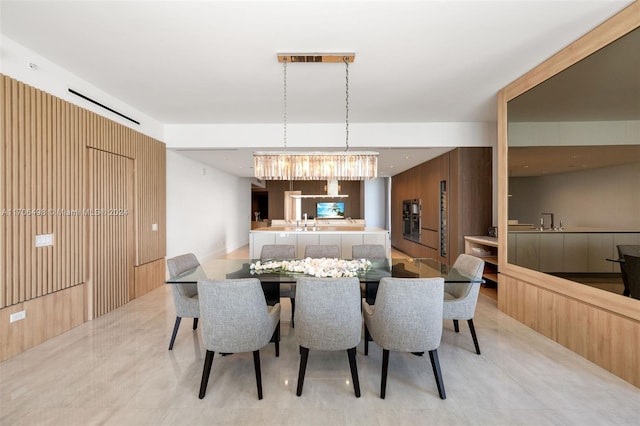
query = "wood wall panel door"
x=111 y=232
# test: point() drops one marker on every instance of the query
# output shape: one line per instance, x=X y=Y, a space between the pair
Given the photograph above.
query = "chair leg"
x=367 y=337
x=256 y=366
x=351 y=353
x=473 y=335
x=456 y=327
x=293 y=312
x=208 y=360
x=175 y=332
x=304 y=355
x=435 y=364
x=195 y=323
x=276 y=339
x=385 y=369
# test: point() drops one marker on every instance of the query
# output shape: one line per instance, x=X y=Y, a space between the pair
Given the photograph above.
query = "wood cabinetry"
x=485 y=248
x=455 y=190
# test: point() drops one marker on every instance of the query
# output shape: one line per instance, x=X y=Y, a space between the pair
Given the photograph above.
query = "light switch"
x=154 y=226
x=44 y=240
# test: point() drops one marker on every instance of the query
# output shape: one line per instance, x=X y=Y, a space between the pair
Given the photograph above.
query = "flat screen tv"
x=330 y=210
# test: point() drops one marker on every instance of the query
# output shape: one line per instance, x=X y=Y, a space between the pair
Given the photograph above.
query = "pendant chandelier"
x=318 y=165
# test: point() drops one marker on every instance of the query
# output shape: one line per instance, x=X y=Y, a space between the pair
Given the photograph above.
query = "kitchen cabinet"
x=528 y=250
x=551 y=253
x=576 y=251
x=455 y=190
x=568 y=252
x=600 y=248
x=486 y=248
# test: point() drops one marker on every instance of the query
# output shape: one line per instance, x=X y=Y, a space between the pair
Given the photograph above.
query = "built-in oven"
x=411 y=218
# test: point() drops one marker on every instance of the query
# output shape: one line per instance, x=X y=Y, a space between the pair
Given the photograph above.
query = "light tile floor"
x=116 y=370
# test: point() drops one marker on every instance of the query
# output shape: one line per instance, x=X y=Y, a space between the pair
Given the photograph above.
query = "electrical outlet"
x=17 y=316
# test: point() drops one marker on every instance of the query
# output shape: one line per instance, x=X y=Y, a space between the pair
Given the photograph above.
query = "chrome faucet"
x=551 y=225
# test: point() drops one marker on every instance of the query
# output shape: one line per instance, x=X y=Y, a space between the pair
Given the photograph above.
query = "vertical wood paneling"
x=45 y=187
x=5 y=119
x=150 y=199
x=110 y=230
x=36 y=177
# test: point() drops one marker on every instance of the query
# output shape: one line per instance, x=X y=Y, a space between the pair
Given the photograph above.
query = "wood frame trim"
x=600 y=326
x=612 y=29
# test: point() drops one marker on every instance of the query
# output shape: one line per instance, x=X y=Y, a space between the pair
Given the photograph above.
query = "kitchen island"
x=343 y=235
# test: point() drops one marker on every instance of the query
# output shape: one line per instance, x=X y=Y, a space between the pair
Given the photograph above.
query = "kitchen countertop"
x=568 y=230
x=319 y=229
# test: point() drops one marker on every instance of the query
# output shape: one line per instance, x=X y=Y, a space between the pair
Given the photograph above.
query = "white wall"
x=300 y=135
x=208 y=211
x=606 y=197
x=55 y=80
x=376 y=203
x=209 y=214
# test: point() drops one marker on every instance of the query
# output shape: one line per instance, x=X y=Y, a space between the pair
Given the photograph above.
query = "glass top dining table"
x=219 y=269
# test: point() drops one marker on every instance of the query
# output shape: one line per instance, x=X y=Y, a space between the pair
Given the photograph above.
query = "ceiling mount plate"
x=316 y=57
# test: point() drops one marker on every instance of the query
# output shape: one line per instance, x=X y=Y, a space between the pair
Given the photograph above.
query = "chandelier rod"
x=284 y=106
x=346 y=73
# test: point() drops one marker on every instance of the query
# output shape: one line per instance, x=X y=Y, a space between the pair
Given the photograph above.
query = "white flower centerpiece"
x=322 y=268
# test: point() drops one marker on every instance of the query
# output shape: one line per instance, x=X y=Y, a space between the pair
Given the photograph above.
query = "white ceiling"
x=215 y=61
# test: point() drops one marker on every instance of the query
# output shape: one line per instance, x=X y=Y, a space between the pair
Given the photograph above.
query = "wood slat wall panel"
x=35 y=177
x=42 y=168
x=45 y=187
x=110 y=136
x=151 y=199
x=5 y=119
x=110 y=231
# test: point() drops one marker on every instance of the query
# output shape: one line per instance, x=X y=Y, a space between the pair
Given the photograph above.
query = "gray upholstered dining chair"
x=626 y=249
x=282 y=252
x=407 y=317
x=185 y=296
x=632 y=266
x=235 y=318
x=460 y=299
x=322 y=250
x=368 y=251
x=329 y=319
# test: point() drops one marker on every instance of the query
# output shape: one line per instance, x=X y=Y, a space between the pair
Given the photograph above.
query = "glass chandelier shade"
x=300 y=165
x=287 y=165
